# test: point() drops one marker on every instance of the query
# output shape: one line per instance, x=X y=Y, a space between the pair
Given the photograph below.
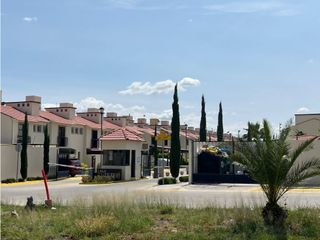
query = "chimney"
x=164 y=123
x=191 y=128
x=65 y=110
x=111 y=114
x=142 y=121
x=154 y=121
x=92 y=114
x=31 y=106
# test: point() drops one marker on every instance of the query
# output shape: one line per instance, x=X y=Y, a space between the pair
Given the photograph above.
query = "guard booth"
x=211 y=163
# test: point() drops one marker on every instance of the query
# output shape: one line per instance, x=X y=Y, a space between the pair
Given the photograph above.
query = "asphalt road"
x=69 y=191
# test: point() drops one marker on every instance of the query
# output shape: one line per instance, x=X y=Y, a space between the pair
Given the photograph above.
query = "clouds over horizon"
x=30 y=19
x=165 y=86
x=274 y=7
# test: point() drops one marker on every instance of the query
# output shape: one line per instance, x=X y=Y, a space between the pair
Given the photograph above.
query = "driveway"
x=70 y=190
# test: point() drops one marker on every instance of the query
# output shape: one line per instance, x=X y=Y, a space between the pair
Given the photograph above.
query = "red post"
x=48 y=202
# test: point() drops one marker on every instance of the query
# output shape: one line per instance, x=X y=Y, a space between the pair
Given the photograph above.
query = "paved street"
x=223 y=195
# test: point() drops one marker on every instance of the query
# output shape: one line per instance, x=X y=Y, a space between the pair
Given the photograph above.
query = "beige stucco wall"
x=9 y=129
x=9 y=160
x=125 y=145
x=310 y=127
x=314 y=152
x=304 y=117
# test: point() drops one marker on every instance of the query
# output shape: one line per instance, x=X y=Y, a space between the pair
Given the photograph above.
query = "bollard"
x=47 y=202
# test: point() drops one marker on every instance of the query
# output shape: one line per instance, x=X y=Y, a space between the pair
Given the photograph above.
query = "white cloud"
x=311 y=61
x=49 y=105
x=244 y=7
x=287 y=12
x=303 y=110
x=30 y=19
x=276 y=8
x=159 y=87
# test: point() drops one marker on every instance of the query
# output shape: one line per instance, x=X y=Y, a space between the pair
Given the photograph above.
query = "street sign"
x=163 y=136
x=18 y=147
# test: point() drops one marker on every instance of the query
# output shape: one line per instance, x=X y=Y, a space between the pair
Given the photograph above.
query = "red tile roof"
x=19 y=116
x=76 y=121
x=122 y=134
x=55 y=118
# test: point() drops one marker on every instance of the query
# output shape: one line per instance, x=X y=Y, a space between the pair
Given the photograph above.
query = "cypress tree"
x=155 y=150
x=249 y=133
x=24 y=154
x=175 y=153
x=220 y=125
x=203 y=123
x=46 y=148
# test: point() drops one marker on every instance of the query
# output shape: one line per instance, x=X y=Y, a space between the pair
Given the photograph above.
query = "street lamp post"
x=186 y=126
x=101 y=109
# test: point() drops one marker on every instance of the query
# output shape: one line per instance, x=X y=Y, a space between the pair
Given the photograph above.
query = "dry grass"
x=106 y=219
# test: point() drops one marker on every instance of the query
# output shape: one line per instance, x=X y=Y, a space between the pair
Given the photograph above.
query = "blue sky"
x=260 y=58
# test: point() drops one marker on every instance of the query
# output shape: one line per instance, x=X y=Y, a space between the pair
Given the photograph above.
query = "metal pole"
x=17 y=164
x=162 y=163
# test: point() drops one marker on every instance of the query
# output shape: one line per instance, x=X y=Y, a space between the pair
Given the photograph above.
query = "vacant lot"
x=105 y=220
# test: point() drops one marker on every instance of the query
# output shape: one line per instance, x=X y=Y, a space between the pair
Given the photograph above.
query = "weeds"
x=105 y=219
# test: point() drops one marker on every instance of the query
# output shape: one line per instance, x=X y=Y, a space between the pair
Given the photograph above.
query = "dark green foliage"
x=166 y=210
x=24 y=154
x=273 y=164
x=96 y=180
x=220 y=125
x=254 y=131
x=167 y=180
x=9 y=180
x=184 y=179
x=46 y=148
x=175 y=136
x=203 y=122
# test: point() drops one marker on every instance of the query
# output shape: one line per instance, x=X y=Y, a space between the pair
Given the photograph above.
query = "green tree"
x=24 y=152
x=253 y=132
x=203 y=123
x=274 y=165
x=220 y=125
x=46 y=149
x=175 y=136
x=155 y=151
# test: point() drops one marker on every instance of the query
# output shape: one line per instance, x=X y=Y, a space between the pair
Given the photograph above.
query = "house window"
x=20 y=126
x=76 y=130
x=18 y=105
x=39 y=128
x=22 y=104
x=166 y=142
x=116 y=157
x=57 y=110
x=65 y=110
x=28 y=104
x=34 y=128
x=72 y=130
x=81 y=131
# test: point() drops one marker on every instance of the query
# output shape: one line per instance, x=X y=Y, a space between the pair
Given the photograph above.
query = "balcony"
x=19 y=139
x=62 y=141
x=94 y=143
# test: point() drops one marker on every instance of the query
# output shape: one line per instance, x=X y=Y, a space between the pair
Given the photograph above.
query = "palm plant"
x=275 y=166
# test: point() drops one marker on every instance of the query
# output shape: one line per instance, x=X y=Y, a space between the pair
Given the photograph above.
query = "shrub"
x=102 y=179
x=34 y=178
x=166 y=210
x=184 y=179
x=86 y=179
x=9 y=180
x=167 y=180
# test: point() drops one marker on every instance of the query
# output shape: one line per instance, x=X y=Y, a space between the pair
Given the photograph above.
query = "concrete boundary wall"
x=10 y=158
